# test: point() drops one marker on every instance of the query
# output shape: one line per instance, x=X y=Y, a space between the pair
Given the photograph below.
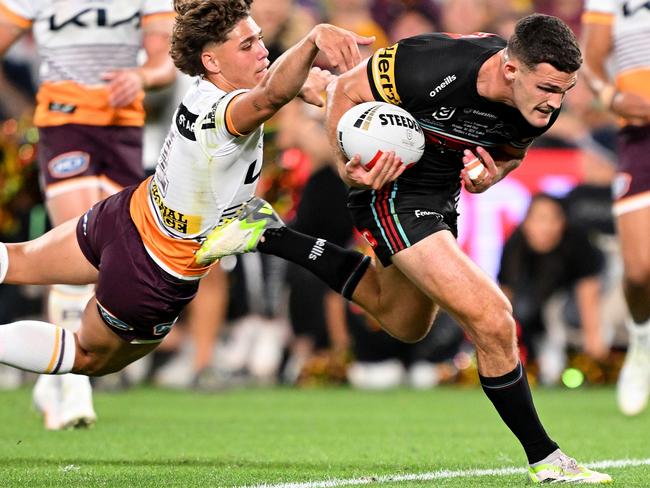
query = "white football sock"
x=36 y=346
x=4 y=262
x=66 y=304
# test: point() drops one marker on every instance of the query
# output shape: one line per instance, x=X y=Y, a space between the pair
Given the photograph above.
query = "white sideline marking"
x=463 y=473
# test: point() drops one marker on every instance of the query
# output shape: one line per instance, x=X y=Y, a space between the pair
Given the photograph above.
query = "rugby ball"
x=372 y=128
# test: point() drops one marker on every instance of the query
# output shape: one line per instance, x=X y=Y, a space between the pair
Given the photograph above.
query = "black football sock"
x=511 y=396
x=340 y=268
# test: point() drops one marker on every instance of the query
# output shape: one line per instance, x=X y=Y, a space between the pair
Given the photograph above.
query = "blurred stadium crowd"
x=546 y=232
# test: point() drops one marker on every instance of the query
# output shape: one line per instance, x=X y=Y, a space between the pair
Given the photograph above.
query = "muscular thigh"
x=54 y=257
x=438 y=267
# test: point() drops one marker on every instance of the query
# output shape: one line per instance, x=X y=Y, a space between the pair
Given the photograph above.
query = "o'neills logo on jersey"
x=446 y=82
x=383 y=71
x=184 y=224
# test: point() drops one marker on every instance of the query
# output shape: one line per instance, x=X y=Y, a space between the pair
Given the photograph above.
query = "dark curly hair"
x=199 y=22
x=542 y=38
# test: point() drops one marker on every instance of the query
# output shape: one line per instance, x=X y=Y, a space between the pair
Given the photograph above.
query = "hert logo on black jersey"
x=383 y=69
x=185 y=121
x=91 y=16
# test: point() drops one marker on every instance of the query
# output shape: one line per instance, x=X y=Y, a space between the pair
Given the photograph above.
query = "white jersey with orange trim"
x=206 y=171
x=630 y=21
x=77 y=41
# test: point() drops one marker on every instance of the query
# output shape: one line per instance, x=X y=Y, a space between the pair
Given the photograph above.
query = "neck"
x=220 y=82
x=491 y=83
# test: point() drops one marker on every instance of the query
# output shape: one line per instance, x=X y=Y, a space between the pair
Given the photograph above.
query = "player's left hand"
x=487 y=178
x=123 y=86
x=315 y=85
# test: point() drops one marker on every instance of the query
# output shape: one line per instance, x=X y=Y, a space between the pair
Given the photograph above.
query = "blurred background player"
x=546 y=260
x=619 y=31
x=90 y=117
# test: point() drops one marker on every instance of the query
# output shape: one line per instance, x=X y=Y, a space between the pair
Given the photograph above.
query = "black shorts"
x=401 y=214
x=73 y=151
x=136 y=299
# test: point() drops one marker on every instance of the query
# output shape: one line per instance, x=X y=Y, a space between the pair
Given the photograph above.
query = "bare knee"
x=91 y=364
x=411 y=334
x=407 y=329
x=495 y=330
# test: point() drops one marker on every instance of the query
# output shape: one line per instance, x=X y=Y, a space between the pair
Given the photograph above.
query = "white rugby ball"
x=372 y=128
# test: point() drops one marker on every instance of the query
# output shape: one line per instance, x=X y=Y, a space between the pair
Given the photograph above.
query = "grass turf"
x=154 y=438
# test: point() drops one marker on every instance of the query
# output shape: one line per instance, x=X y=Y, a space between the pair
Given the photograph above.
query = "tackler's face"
x=242 y=58
x=539 y=92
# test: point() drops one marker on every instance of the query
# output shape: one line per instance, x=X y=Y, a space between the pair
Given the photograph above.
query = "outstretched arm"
x=286 y=76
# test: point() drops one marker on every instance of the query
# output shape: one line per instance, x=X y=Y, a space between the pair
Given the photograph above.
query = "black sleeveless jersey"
x=433 y=76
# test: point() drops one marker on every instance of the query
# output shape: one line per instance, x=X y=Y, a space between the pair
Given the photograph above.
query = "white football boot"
x=557 y=467
x=76 y=409
x=46 y=397
x=633 y=385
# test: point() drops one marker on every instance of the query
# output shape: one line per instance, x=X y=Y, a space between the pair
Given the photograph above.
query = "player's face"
x=243 y=58
x=539 y=92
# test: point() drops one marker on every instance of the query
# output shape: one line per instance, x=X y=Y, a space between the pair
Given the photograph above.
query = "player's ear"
x=510 y=70
x=210 y=61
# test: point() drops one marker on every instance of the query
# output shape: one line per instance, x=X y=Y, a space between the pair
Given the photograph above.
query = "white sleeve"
x=211 y=128
x=150 y=7
x=23 y=8
x=601 y=6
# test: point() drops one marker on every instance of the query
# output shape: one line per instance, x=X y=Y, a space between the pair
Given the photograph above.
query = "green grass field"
x=158 y=438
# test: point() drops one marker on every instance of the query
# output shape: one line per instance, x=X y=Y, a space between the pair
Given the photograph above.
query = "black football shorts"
x=401 y=214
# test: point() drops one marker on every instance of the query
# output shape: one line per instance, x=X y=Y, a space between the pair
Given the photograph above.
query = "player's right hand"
x=340 y=46
x=387 y=168
x=124 y=85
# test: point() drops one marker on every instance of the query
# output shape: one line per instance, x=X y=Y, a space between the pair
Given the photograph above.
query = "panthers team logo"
x=69 y=164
